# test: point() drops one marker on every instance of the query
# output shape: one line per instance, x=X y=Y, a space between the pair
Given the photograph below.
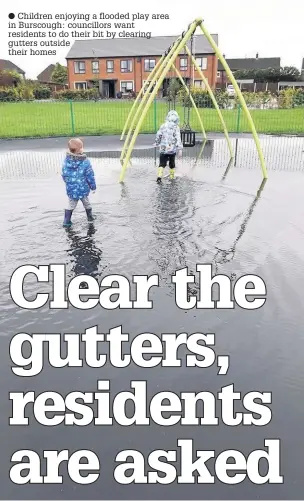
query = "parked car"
x=230 y=90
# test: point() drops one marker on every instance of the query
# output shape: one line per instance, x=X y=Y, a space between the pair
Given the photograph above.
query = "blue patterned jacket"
x=78 y=175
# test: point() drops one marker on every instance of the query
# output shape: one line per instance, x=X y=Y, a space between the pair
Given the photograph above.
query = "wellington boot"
x=67 y=218
x=90 y=216
x=160 y=174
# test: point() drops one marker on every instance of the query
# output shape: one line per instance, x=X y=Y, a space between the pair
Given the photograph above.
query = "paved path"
x=97 y=143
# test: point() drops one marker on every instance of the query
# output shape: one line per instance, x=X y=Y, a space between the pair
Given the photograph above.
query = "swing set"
x=149 y=91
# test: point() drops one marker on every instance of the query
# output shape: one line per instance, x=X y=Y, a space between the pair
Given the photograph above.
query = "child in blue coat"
x=78 y=175
x=168 y=139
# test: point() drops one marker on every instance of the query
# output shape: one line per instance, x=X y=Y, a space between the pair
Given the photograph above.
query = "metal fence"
x=106 y=117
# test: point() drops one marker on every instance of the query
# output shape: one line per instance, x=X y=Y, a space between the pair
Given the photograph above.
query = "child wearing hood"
x=168 y=139
x=78 y=175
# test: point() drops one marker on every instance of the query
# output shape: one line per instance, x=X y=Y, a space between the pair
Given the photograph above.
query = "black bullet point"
x=11 y=16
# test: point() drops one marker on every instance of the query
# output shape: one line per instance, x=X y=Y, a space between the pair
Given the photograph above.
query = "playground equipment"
x=136 y=118
x=187 y=134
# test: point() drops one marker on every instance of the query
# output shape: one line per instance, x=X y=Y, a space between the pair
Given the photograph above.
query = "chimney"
x=257 y=55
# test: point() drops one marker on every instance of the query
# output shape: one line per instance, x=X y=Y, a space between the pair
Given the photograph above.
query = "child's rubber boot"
x=171 y=173
x=67 y=218
x=159 y=174
x=90 y=216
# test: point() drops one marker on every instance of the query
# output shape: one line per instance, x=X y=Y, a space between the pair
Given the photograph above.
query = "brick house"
x=45 y=78
x=7 y=80
x=257 y=63
x=124 y=65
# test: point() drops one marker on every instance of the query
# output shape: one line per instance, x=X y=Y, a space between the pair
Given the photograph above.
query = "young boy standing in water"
x=78 y=175
x=168 y=139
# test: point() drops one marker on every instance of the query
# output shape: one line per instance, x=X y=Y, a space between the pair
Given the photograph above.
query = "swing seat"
x=188 y=137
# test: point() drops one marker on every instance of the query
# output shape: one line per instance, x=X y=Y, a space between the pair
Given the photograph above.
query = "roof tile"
x=132 y=47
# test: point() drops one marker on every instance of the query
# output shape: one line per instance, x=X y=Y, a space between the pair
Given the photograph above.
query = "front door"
x=106 y=90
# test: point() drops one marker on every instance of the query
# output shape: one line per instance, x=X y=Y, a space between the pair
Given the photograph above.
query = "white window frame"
x=149 y=61
x=98 y=69
x=131 y=65
x=110 y=61
x=85 y=83
x=183 y=68
x=218 y=74
x=126 y=81
x=79 y=72
x=202 y=62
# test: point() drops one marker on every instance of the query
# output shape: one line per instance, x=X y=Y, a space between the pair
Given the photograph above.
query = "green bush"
x=42 y=92
x=222 y=99
x=286 y=98
x=298 y=99
x=77 y=95
x=9 y=94
x=200 y=97
x=255 y=99
x=26 y=92
x=291 y=98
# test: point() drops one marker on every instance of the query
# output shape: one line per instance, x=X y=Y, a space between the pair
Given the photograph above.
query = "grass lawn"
x=45 y=119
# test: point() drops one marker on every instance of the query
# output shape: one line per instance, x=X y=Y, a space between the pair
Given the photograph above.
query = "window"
x=183 y=63
x=110 y=66
x=80 y=85
x=202 y=62
x=95 y=66
x=126 y=86
x=219 y=74
x=200 y=84
x=79 y=67
x=149 y=64
x=126 y=66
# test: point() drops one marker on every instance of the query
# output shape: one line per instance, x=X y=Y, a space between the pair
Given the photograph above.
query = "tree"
x=173 y=89
x=59 y=74
x=287 y=73
x=290 y=74
x=10 y=78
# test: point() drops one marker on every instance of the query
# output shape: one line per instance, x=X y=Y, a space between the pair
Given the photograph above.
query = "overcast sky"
x=273 y=28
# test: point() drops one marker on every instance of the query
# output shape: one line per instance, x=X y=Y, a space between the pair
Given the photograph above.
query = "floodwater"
x=209 y=214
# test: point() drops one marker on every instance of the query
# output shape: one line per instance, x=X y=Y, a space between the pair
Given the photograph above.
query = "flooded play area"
x=213 y=212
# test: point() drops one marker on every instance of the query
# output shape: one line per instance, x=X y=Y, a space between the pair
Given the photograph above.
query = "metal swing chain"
x=189 y=85
x=186 y=125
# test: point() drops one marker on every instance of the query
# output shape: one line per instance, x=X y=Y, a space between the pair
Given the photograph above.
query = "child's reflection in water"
x=85 y=255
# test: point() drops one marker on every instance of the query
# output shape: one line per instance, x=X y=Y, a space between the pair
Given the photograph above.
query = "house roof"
x=46 y=74
x=132 y=47
x=8 y=65
x=252 y=63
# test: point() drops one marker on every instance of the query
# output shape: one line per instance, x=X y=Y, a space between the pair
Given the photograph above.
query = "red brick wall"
x=137 y=75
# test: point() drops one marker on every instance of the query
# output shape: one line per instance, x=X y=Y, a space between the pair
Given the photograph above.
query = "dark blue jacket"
x=78 y=176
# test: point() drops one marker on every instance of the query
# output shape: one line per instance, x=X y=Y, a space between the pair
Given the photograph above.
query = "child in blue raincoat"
x=79 y=178
x=168 y=139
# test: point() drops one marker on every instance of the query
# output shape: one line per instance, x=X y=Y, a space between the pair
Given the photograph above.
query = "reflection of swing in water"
x=225 y=255
x=85 y=256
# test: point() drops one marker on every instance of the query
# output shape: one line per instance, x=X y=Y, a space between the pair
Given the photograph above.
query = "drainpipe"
x=135 y=83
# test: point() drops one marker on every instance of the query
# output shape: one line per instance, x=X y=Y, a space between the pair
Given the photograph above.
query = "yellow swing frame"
x=157 y=76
